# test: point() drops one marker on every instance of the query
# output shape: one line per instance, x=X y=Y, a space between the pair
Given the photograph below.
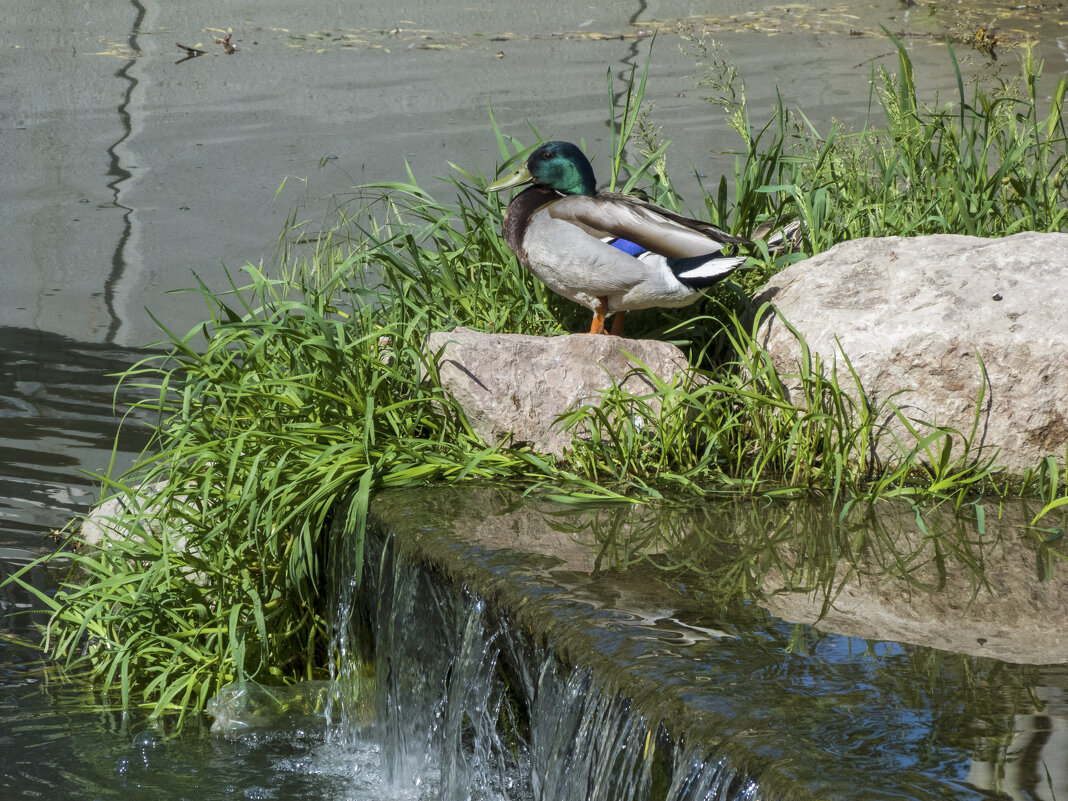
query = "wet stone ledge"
x=494 y=660
x=504 y=633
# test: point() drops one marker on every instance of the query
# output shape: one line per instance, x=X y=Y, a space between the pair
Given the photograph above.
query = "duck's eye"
x=547 y=155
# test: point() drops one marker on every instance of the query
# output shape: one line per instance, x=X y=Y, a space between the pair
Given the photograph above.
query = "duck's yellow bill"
x=517 y=178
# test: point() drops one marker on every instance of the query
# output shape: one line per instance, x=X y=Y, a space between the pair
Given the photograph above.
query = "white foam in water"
x=354 y=771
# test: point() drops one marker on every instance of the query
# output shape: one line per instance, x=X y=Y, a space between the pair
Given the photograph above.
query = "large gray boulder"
x=517 y=385
x=911 y=314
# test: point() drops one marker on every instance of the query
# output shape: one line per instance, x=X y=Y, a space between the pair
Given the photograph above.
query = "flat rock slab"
x=518 y=385
x=912 y=314
x=802 y=711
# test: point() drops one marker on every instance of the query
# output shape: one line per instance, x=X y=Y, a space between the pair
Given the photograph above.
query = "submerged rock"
x=633 y=644
x=918 y=314
x=124 y=515
x=515 y=384
x=939 y=579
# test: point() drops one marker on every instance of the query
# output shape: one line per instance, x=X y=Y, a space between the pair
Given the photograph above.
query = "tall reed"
x=991 y=163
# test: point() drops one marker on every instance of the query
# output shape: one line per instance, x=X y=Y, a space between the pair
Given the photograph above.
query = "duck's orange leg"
x=597 y=326
x=617 y=323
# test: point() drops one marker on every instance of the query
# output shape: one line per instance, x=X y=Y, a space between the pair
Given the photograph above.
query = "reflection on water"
x=977 y=579
x=58 y=420
x=118 y=175
x=472 y=701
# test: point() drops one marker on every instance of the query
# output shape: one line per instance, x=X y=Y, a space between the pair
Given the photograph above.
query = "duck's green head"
x=555 y=165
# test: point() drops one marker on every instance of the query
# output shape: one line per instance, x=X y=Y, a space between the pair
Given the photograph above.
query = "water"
x=125 y=171
x=762 y=706
x=59 y=420
x=530 y=676
x=492 y=713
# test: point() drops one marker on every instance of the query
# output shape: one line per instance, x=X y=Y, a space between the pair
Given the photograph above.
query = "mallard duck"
x=609 y=252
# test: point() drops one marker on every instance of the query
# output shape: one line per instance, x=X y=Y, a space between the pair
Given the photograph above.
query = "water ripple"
x=58 y=422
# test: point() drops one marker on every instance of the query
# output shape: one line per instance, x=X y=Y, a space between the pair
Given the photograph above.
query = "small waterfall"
x=587 y=744
x=509 y=668
x=468 y=708
x=697 y=777
x=473 y=753
x=348 y=690
x=439 y=700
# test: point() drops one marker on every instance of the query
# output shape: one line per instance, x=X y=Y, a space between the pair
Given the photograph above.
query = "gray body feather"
x=565 y=244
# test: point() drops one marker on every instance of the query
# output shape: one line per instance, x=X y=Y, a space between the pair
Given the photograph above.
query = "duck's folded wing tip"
x=617 y=216
x=700 y=270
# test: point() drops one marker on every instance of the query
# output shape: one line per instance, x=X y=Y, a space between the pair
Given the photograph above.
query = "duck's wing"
x=654 y=228
x=567 y=255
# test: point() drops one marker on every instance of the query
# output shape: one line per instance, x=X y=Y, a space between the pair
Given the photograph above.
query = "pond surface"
x=128 y=167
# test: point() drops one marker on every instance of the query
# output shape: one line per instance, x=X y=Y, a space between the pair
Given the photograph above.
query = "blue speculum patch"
x=628 y=247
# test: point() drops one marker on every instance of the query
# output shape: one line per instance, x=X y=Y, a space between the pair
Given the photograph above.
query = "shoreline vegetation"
x=301 y=395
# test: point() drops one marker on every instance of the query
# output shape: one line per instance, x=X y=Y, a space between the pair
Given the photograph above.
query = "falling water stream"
x=514 y=660
x=503 y=668
x=469 y=707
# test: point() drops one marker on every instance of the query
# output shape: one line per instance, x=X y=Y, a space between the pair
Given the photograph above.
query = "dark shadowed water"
x=59 y=423
x=125 y=168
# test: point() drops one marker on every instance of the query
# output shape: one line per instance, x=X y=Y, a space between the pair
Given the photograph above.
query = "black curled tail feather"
x=702 y=271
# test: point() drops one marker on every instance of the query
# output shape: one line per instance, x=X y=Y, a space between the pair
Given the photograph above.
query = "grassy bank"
x=302 y=394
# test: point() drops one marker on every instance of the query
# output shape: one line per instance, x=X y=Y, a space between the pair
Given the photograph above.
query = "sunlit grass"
x=738 y=427
x=991 y=162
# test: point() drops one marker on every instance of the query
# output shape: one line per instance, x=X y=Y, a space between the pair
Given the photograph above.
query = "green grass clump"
x=293 y=412
x=279 y=415
x=299 y=396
